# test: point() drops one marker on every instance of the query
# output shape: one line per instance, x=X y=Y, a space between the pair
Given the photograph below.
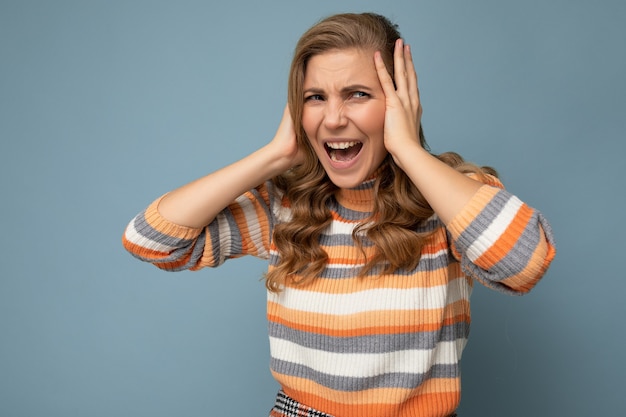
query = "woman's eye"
x=359 y=94
x=313 y=97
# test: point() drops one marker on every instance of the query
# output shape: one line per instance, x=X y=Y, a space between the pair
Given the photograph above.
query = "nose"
x=334 y=116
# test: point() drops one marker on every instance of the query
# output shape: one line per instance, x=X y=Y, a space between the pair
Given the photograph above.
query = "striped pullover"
x=379 y=346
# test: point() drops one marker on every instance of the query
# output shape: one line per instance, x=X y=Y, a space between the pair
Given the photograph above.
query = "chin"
x=346 y=181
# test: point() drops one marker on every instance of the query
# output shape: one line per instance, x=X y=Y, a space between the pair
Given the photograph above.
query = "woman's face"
x=344 y=113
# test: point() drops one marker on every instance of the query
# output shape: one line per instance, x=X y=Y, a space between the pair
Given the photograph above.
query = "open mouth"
x=343 y=151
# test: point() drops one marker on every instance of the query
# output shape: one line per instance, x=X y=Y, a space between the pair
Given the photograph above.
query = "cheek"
x=309 y=126
x=374 y=120
x=374 y=123
x=309 y=123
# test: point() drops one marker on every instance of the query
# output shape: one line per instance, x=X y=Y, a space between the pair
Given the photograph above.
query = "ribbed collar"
x=361 y=197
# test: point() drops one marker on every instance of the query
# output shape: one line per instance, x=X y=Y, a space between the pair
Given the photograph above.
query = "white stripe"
x=331 y=266
x=341 y=228
x=365 y=365
x=132 y=235
x=496 y=229
x=373 y=300
x=253 y=223
x=225 y=245
x=435 y=255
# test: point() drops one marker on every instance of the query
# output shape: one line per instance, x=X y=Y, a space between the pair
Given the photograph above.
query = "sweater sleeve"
x=500 y=241
x=242 y=228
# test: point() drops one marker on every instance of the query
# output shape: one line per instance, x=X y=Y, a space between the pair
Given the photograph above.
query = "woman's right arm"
x=177 y=230
x=196 y=204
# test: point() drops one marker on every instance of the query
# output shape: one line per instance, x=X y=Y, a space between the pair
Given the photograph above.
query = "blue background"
x=105 y=105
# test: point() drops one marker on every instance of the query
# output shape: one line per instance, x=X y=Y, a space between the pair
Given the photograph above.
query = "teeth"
x=341 y=145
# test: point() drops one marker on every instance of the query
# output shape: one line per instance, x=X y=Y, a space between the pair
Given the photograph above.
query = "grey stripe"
x=196 y=254
x=429 y=225
x=345 y=239
x=340 y=273
x=351 y=384
x=349 y=214
x=273 y=259
x=339 y=239
x=386 y=343
x=214 y=234
x=147 y=231
x=220 y=254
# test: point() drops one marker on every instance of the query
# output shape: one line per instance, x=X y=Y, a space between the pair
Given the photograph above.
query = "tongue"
x=346 y=154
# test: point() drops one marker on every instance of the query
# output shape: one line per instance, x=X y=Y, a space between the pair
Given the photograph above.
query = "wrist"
x=275 y=159
x=409 y=154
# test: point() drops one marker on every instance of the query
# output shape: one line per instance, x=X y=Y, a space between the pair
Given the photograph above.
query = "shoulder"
x=486 y=179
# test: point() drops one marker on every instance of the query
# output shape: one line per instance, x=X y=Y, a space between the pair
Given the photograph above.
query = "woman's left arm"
x=446 y=190
x=498 y=239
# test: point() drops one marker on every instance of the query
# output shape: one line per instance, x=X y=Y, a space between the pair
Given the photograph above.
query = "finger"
x=400 y=68
x=383 y=75
x=411 y=77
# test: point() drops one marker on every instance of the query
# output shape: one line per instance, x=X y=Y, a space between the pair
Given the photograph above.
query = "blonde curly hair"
x=399 y=207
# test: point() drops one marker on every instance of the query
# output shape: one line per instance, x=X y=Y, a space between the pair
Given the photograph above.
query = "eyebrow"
x=352 y=87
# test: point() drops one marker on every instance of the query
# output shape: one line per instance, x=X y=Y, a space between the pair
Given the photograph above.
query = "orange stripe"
x=372 y=322
x=370 y=331
x=142 y=251
x=525 y=280
x=503 y=245
x=431 y=249
x=435 y=397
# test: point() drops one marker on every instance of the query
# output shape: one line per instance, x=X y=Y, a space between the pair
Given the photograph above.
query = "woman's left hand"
x=446 y=189
x=403 y=109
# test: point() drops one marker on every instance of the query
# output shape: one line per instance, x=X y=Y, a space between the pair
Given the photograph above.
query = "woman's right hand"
x=285 y=143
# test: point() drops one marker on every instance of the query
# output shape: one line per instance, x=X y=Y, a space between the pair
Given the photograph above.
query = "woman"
x=373 y=243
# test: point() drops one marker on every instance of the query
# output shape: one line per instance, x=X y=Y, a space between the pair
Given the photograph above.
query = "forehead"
x=339 y=67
